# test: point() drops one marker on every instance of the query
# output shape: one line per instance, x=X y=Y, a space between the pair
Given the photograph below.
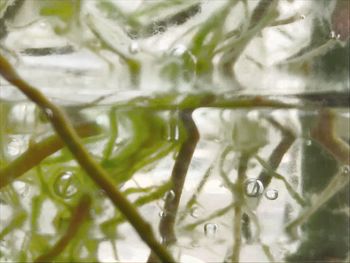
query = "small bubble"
x=43 y=25
x=48 y=112
x=178 y=50
x=169 y=195
x=158 y=29
x=162 y=214
x=271 y=194
x=173 y=134
x=210 y=229
x=253 y=188
x=308 y=142
x=66 y=185
x=334 y=35
x=346 y=169
x=194 y=212
x=134 y=48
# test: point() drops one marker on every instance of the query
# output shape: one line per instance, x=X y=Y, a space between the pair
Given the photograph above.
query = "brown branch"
x=276 y=156
x=238 y=211
x=80 y=214
x=324 y=133
x=178 y=176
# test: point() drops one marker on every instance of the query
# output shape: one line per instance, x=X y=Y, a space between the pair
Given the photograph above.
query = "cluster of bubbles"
x=255 y=188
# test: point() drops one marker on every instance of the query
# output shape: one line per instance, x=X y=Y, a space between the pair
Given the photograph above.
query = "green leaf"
x=63 y=9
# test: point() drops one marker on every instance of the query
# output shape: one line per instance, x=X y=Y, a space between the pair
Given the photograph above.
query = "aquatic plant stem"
x=178 y=176
x=324 y=133
x=65 y=130
x=37 y=152
x=80 y=214
x=195 y=194
x=238 y=211
x=276 y=156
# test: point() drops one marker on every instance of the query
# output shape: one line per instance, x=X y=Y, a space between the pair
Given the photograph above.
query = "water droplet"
x=162 y=214
x=302 y=17
x=134 y=48
x=194 y=212
x=210 y=229
x=346 y=169
x=271 y=194
x=173 y=133
x=308 y=142
x=48 y=112
x=43 y=25
x=334 y=35
x=158 y=29
x=66 y=185
x=178 y=50
x=169 y=195
x=253 y=188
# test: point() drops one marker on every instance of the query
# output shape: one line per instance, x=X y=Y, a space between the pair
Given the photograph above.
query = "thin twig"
x=114 y=134
x=65 y=130
x=215 y=214
x=278 y=153
x=338 y=182
x=325 y=134
x=270 y=172
x=80 y=214
x=223 y=174
x=178 y=176
x=238 y=212
x=195 y=194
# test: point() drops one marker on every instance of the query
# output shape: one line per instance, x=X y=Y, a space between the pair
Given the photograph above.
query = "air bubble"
x=302 y=17
x=253 y=188
x=194 y=212
x=346 y=169
x=210 y=229
x=43 y=25
x=308 y=142
x=66 y=185
x=162 y=214
x=173 y=134
x=134 y=48
x=169 y=195
x=334 y=35
x=271 y=194
x=178 y=50
x=48 y=112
